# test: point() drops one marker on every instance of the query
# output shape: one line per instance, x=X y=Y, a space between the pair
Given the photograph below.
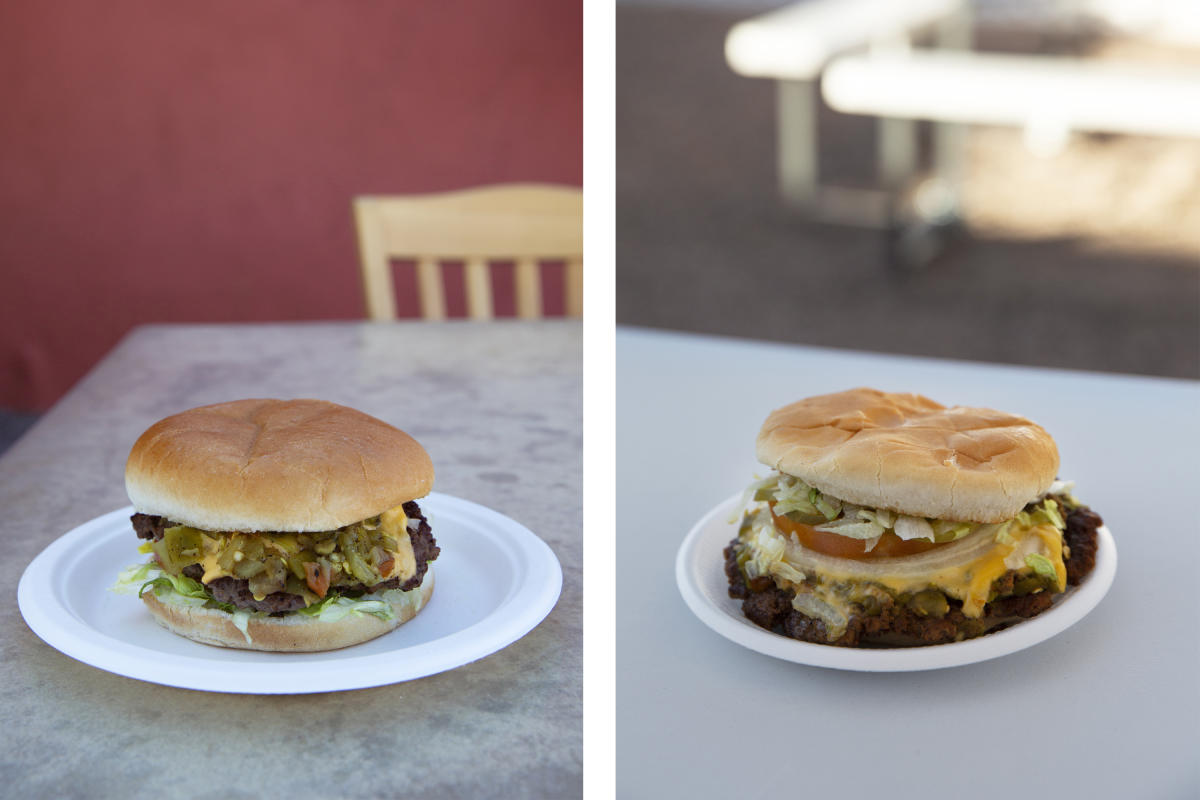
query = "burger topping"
x=302 y=563
x=851 y=612
x=280 y=572
x=969 y=570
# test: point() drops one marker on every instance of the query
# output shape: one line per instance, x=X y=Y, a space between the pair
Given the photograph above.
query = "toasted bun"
x=907 y=453
x=291 y=633
x=274 y=465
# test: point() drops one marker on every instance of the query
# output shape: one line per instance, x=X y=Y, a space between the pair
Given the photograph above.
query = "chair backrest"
x=522 y=223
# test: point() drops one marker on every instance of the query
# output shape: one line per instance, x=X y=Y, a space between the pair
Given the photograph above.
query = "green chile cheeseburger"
x=280 y=525
x=891 y=520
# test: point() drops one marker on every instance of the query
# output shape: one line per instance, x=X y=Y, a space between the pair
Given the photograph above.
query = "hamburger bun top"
x=274 y=465
x=906 y=453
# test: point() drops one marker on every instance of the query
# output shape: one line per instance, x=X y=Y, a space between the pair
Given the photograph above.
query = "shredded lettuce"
x=752 y=492
x=853 y=529
x=175 y=590
x=795 y=499
x=792 y=495
x=335 y=606
x=861 y=523
x=181 y=585
x=829 y=507
x=880 y=516
x=1065 y=490
x=908 y=528
x=133 y=578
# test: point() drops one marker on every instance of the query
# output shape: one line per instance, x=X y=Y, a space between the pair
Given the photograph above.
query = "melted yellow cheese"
x=212 y=548
x=1052 y=540
x=394 y=523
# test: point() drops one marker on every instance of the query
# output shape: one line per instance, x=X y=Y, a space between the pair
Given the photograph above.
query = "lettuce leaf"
x=133 y=578
x=335 y=606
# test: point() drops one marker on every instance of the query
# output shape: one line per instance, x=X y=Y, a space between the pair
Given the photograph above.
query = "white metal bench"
x=1047 y=96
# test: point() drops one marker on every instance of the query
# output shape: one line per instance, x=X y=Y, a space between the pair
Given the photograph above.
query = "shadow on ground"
x=13 y=425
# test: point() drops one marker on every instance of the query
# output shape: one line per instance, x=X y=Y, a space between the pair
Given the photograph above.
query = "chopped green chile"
x=270 y=578
x=248 y=568
x=272 y=563
x=295 y=565
x=805 y=519
x=1029 y=585
x=179 y=546
x=929 y=603
x=1041 y=565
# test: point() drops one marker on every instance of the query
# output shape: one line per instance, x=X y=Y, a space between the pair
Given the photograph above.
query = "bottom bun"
x=291 y=633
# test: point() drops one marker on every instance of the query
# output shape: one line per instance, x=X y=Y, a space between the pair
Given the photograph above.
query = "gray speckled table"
x=1108 y=708
x=497 y=405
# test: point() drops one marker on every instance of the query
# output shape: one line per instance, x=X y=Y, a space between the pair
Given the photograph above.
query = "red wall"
x=196 y=161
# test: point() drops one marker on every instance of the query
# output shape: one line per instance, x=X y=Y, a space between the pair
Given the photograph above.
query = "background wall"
x=196 y=161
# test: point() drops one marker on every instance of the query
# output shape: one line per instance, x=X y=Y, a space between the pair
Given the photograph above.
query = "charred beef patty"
x=236 y=591
x=770 y=607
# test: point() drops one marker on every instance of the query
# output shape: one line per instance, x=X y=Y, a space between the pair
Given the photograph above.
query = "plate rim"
x=1077 y=603
x=527 y=600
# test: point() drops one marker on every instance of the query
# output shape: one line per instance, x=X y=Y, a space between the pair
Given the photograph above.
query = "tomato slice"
x=317 y=577
x=831 y=544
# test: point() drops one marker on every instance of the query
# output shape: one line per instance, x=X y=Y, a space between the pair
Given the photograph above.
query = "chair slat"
x=478 y=280
x=528 y=280
x=430 y=289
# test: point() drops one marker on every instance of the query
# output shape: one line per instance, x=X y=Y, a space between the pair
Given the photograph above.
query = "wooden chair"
x=523 y=223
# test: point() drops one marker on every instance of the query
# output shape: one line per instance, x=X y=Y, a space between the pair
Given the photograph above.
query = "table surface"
x=1108 y=708
x=497 y=405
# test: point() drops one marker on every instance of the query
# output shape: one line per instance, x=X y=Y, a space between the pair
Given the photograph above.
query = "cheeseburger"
x=891 y=520
x=280 y=525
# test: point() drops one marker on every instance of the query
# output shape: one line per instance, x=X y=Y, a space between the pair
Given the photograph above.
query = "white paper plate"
x=700 y=573
x=495 y=581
